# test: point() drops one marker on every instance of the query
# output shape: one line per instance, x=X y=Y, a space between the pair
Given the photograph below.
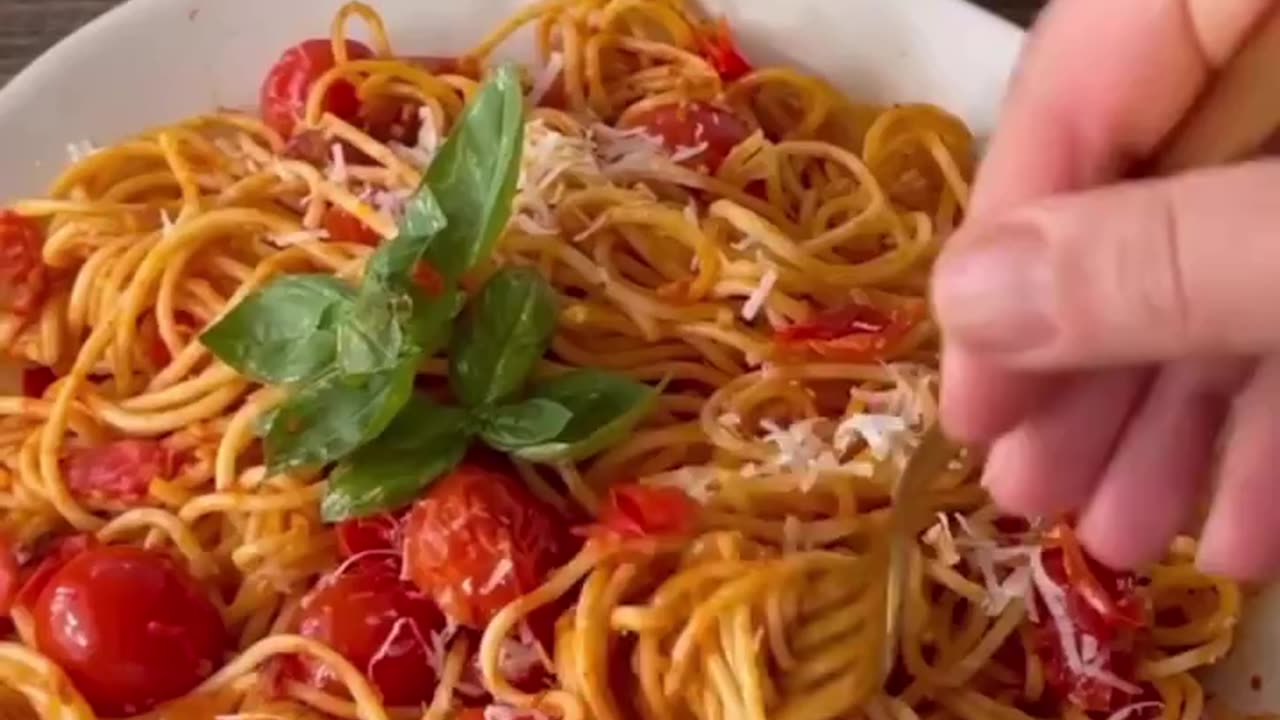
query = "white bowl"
x=151 y=61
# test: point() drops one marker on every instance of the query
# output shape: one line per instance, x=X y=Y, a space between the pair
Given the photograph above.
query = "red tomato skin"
x=367 y=610
x=689 y=124
x=9 y=583
x=36 y=380
x=632 y=511
x=1115 y=639
x=480 y=540
x=23 y=274
x=381 y=532
x=854 y=332
x=130 y=627
x=120 y=470
x=342 y=226
x=721 y=51
x=285 y=89
x=49 y=562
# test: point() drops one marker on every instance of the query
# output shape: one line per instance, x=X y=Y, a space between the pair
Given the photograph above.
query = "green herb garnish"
x=350 y=355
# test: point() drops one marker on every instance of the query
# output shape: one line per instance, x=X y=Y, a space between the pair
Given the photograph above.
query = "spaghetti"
x=736 y=258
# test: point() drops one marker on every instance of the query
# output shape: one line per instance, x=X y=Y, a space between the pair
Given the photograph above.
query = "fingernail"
x=997 y=295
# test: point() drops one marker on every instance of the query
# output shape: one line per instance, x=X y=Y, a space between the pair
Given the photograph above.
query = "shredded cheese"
x=390 y=647
x=546 y=78
x=502 y=570
x=697 y=481
x=688 y=153
x=338 y=164
x=882 y=433
x=751 y=308
x=80 y=149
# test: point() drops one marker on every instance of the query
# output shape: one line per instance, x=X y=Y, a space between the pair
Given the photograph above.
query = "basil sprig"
x=497 y=343
x=349 y=356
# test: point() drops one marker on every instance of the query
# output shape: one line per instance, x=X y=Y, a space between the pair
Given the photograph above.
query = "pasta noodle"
x=749 y=241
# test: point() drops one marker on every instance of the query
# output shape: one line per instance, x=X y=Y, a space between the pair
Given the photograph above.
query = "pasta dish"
x=446 y=388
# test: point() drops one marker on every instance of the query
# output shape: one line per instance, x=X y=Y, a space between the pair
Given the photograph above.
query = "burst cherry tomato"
x=717 y=45
x=381 y=532
x=285 y=90
x=855 y=332
x=8 y=574
x=342 y=226
x=379 y=622
x=690 y=124
x=36 y=379
x=478 y=541
x=1106 y=607
x=23 y=274
x=121 y=470
x=130 y=626
x=634 y=511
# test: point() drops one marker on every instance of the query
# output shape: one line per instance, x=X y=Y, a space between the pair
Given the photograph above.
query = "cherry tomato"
x=717 y=45
x=391 y=119
x=36 y=379
x=342 y=226
x=284 y=92
x=8 y=574
x=633 y=511
x=1106 y=607
x=478 y=541
x=51 y=558
x=1111 y=599
x=855 y=332
x=23 y=274
x=120 y=470
x=130 y=626
x=690 y=124
x=373 y=533
x=379 y=622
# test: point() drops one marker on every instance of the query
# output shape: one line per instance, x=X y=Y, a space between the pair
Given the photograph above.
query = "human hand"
x=1115 y=345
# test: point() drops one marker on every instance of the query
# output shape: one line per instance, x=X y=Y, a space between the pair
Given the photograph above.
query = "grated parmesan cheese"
x=502 y=570
x=80 y=149
x=688 y=153
x=428 y=134
x=697 y=481
x=882 y=433
x=751 y=308
x=338 y=164
x=166 y=223
x=546 y=78
x=391 y=648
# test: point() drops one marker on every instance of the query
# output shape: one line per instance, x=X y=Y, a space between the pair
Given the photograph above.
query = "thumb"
x=1139 y=272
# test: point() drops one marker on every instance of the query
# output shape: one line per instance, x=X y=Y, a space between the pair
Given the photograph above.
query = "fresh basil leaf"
x=388 y=328
x=605 y=408
x=425 y=441
x=325 y=420
x=531 y=422
x=392 y=264
x=503 y=333
x=283 y=332
x=392 y=319
x=474 y=174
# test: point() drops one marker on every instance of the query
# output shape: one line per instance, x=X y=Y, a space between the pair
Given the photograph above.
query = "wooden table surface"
x=28 y=27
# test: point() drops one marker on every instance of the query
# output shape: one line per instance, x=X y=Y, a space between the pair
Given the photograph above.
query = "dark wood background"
x=28 y=27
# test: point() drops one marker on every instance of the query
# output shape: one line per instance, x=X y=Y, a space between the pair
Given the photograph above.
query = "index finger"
x=1101 y=84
